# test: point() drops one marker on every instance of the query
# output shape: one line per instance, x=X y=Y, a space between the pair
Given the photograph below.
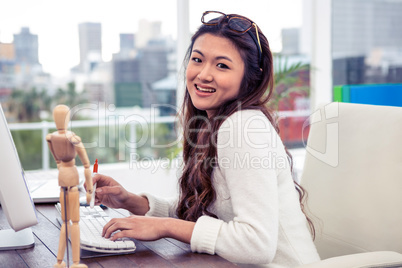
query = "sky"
x=56 y=22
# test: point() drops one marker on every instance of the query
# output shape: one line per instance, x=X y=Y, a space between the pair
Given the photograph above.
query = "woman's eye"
x=196 y=59
x=223 y=66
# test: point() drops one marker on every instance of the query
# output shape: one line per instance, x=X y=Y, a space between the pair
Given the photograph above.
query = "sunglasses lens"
x=212 y=17
x=239 y=24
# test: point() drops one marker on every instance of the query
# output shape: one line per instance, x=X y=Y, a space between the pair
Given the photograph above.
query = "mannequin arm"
x=49 y=143
x=82 y=154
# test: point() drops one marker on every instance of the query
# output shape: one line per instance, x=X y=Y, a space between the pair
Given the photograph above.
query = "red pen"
x=92 y=203
x=96 y=166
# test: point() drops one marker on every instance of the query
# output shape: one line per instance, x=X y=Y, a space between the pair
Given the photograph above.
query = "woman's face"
x=214 y=72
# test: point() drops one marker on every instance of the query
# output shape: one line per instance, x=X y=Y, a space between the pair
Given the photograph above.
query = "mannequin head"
x=61 y=116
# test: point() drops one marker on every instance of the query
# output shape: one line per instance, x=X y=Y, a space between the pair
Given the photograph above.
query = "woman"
x=237 y=196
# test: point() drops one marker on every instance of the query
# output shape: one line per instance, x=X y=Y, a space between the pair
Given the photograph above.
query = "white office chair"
x=353 y=176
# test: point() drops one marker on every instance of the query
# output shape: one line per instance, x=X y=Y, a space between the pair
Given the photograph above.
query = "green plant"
x=286 y=80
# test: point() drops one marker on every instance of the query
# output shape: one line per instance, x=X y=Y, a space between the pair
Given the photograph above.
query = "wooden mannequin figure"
x=65 y=145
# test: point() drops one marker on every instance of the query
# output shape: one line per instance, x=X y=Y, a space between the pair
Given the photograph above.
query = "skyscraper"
x=90 y=38
x=127 y=47
x=26 y=47
x=28 y=71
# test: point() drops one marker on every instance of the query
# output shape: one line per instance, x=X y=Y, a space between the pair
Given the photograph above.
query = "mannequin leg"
x=75 y=228
x=62 y=239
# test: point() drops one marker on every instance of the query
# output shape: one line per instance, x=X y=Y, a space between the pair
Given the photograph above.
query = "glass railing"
x=113 y=141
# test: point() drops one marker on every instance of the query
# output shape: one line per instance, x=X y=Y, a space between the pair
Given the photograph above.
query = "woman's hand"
x=137 y=227
x=148 y=228
x=110 y=193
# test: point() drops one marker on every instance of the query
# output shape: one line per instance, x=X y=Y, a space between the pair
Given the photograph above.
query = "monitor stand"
x=9 y=239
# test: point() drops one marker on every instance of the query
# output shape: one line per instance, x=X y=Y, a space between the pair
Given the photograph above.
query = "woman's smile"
x=205 y=89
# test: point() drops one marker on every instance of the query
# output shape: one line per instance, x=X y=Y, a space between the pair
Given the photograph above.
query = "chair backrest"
x=353 y=176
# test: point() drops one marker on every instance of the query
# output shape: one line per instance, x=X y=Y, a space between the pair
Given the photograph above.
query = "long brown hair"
x=199 y=141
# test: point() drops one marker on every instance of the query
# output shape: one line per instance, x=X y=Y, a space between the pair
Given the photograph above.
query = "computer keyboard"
x=91 y=223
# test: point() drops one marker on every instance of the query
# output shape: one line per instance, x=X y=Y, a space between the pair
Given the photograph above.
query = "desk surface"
x=160 y=253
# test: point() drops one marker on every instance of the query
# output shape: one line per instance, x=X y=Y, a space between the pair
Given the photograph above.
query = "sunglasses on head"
x=235 y=23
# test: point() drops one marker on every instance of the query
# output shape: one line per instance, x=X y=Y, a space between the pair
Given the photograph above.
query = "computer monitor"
x=15 y=198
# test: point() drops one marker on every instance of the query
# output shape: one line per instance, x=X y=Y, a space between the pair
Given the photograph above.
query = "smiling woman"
x=237 y=195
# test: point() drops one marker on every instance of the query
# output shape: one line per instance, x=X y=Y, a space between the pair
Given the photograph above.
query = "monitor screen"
x=15 y=198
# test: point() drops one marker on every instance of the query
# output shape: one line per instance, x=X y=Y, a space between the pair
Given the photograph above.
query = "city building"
x=28 y=71
x=26 y=47
x=7 y=67
x=127 y=47
x=19 y=65
x=98 y=84
x=90 y=42
x=127 y=42
x=7 y=51
x=366 y=41
x=165 y=95
x=127 y=85
x=133 y=77
x=93 y=76
x=143 y=59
